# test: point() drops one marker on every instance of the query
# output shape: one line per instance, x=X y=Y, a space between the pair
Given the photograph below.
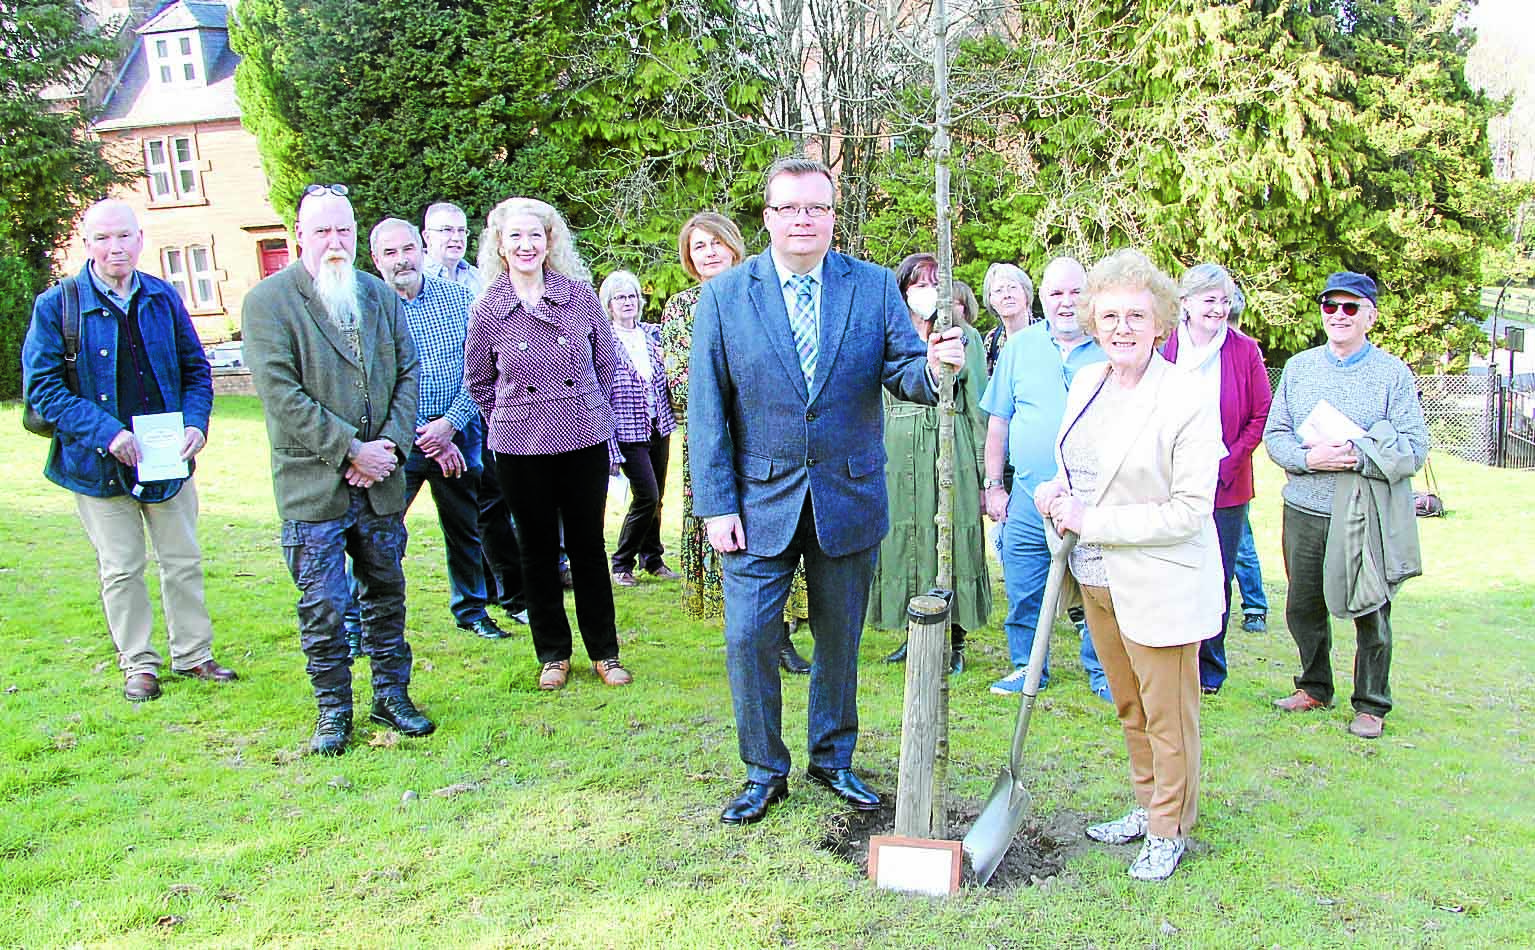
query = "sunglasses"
x=1331 y=307
x=340 y=191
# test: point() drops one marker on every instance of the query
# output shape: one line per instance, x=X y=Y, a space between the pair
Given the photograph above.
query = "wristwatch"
x=992 y=483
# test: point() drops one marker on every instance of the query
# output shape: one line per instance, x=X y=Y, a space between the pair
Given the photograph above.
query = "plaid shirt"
x=438 y=317
x=636 y=415
x=463 y=273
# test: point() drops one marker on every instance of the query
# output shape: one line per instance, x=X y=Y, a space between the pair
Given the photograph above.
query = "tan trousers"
x=116 y=528
x=1156 y=693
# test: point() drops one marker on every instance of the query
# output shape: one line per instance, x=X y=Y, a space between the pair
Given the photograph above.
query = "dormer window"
x=175 y=59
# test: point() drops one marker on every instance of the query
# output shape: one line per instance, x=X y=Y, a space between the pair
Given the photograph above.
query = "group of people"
x=1120 y=428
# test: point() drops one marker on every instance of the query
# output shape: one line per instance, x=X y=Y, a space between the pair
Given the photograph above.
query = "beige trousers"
x=116 y=529
x=1156 y=693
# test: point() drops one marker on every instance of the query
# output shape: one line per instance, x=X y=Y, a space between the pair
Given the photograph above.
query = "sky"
x=1517 y=16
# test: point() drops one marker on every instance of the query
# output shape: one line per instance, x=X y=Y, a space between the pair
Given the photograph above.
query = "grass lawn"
x=590 y=817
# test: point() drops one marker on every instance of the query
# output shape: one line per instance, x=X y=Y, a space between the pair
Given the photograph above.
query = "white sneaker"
x=1158 y=858
x=1123 y=830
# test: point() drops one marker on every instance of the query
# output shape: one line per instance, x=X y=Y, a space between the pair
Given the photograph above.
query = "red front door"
x=274 y=256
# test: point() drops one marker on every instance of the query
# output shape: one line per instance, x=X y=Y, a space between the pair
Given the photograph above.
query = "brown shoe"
x=209 y=670
x=625 y=579
x=141 y=688
x=612 y=672
x=554 y=675
x=1367 y=726
x=663 y=572
x=1300 y=701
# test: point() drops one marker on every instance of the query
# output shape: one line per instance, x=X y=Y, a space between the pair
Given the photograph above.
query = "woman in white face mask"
x=908 y=557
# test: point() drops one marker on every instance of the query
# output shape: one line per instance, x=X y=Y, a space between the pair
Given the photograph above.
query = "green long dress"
x=908 y=557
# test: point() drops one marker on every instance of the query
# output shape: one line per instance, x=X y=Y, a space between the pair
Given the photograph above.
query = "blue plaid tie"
x=803 y=323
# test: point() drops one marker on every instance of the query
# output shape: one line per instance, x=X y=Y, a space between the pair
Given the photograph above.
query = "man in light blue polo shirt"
x=1026 y=400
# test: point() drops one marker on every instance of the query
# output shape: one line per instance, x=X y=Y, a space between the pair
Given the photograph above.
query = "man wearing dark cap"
x=1348 y=430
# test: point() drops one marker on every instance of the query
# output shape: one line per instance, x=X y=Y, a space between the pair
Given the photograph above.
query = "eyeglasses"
x=340 y=191
x=626 y=298
x=792 y=211
x=448 y=230
x=1331 y=307
x=1133 y=322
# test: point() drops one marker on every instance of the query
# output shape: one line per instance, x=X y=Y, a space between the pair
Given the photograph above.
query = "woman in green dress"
x=908 y=557
x=708 y=244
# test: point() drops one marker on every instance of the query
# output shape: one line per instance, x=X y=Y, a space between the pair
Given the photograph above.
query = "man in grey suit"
x=784 y=429
x=331 y=355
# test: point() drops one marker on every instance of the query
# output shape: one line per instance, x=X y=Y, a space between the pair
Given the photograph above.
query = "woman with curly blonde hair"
x=539 y=363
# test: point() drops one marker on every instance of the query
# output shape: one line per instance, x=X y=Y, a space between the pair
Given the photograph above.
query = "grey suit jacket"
x=758 y=439
x=319 y=395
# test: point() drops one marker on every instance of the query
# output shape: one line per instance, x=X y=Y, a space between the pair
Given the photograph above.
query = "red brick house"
x=202 y=198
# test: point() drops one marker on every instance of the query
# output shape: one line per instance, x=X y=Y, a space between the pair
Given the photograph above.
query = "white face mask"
x=923 y=301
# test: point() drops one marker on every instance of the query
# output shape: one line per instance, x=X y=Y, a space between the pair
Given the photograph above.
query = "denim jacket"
x=87 y=422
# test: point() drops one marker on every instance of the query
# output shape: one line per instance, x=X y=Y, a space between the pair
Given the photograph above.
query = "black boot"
x=956 y=649
x=898 y=655
x=789 y=658
x=331 y=731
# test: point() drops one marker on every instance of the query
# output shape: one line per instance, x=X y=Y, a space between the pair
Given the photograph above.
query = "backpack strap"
x=70 y=320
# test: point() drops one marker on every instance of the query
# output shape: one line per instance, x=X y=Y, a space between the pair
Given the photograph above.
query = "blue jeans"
x=1249 y=573
x=1212 y=652
x=1025 y=566
x=316 y=553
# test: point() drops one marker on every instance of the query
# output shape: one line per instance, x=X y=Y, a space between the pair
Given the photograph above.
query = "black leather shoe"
x=751 y=806
x=401 y=715
x=331 y=731
x=485 y=627
x=791 y=661
x=846 y=786
x=898 y=655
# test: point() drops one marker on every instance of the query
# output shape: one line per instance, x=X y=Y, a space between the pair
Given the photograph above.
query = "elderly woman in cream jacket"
x=1138 y=453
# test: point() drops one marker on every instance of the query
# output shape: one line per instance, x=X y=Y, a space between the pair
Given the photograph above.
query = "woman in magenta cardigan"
x=1230 y=367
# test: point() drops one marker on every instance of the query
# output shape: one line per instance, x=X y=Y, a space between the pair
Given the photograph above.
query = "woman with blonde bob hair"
x=539 y=362
x=1137 y=453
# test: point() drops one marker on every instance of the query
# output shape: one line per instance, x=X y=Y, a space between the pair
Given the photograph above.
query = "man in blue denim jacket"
x=139 y=355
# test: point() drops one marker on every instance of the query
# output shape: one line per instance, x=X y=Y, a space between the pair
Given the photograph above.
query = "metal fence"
x=1469 y=417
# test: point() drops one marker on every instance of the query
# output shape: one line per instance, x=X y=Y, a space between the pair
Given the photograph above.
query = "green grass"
x=590 y=817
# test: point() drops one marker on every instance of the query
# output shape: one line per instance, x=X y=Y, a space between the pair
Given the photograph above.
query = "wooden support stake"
x=927 y=664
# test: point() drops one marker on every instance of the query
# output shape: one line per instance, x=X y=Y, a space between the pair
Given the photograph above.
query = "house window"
x=173 y=59
x=171 y=165
x=190 y=270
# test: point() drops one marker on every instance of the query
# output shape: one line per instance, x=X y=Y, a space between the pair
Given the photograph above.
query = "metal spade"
x=1009 y=805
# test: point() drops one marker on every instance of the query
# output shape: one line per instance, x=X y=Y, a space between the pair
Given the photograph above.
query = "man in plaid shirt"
x=447 y=421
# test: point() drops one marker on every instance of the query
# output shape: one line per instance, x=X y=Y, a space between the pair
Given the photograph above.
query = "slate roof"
x=188 y=15
x=137 y=102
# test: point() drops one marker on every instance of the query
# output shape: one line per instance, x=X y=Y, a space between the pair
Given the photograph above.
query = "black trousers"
x=571 y=487
x=639 y=543
x=498 y=540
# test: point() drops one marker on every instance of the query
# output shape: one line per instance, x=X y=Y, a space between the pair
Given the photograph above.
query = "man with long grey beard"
x=331 y=355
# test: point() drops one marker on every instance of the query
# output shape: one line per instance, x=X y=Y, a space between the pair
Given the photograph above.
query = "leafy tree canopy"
x=50 y=168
